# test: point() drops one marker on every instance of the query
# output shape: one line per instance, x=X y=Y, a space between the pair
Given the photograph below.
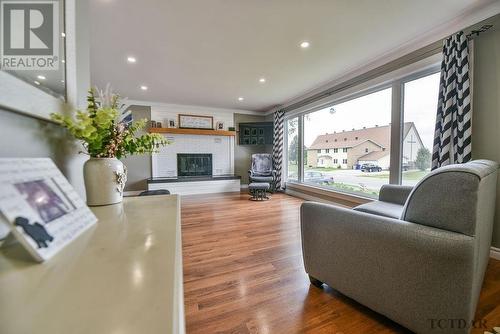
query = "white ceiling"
x=210 y=52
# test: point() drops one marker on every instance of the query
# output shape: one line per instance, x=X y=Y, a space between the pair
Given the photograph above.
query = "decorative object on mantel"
x=220 y=126
x=171 y=123
x=231 y=128
x=158 y=124
x=200 y=132
x=43 y=210
x=196 y=122
x=152 y=124
x=107 y=138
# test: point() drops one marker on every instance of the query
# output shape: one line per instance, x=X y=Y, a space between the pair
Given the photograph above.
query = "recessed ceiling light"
x=304 y=44
x=241 y=98
x=144 y=87
x=62 y=81
x=63 y=34
x=41 y=77
x=63 y=61
x=131 y=59
x=36 y=82
x=262 y=80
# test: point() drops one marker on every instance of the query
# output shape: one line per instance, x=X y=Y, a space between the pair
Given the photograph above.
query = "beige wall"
x=138 y=166
x=358 y=151
x=242 y=154
x=312 y=158
x=486 y=106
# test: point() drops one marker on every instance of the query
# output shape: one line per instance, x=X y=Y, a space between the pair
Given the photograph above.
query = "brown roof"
x=380 y=135
x=375 y=155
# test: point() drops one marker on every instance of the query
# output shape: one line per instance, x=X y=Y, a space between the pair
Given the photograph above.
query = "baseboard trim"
x=495 y=253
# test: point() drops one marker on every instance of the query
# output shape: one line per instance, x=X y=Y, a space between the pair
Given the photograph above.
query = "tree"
x=292 y=149
x=423 y=160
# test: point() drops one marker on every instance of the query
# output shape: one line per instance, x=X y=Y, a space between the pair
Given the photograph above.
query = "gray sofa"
x=418 y=255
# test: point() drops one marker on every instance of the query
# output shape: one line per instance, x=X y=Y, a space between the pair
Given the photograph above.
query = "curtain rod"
x=474 y=33
x=417 y=55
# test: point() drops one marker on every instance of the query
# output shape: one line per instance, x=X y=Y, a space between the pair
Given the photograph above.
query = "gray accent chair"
x=417 y=255
x=262 y=170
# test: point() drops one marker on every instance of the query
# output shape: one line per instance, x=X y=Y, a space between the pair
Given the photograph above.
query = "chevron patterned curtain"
x=278 y=146
x=452 y=137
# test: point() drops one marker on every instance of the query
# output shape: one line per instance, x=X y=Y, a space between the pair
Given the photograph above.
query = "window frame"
x=428 y=67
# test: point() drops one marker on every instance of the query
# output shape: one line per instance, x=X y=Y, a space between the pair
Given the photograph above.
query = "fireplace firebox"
x=194 y=164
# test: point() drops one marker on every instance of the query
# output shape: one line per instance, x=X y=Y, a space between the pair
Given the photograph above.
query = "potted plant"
x=107 y=134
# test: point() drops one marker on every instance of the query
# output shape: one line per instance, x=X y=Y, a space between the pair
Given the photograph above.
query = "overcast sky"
x=375 y=109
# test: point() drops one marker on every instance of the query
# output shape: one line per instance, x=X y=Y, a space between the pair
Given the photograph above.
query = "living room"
x=249 y=167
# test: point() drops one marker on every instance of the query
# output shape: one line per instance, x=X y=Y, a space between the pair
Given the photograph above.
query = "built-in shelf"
x=193 y=132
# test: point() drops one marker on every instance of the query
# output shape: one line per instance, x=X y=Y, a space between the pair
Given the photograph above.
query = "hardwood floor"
x=243 y=273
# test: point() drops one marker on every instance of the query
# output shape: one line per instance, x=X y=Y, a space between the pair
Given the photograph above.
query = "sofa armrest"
x=394 y=193
x=389 y=265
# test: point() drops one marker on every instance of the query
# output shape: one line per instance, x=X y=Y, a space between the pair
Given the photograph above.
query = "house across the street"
x=347 y=149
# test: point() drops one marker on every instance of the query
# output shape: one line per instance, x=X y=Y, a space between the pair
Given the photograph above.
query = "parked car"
x=370 y=168
x=317 y=177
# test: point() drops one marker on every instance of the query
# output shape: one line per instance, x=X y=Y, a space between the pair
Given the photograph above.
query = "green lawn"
x=354 y=189
x=412 y=175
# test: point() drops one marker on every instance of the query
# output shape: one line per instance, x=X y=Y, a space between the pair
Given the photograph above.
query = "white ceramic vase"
x=105 y=180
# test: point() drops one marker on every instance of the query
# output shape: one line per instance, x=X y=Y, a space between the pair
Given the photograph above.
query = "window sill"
x=344 y=199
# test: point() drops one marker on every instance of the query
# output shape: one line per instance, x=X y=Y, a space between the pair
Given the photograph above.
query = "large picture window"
x=347 y=145
x=420 y=105
x=292 y=130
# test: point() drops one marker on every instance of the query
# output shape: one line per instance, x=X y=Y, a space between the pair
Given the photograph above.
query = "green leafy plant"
x=423 y=160
x=104 y=128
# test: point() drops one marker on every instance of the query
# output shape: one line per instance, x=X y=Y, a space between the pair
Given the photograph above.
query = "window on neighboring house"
x=356 y=138
x=327 y=150
x=319 y=151
x=419 y=117
x=366 y=150
x=363 y=111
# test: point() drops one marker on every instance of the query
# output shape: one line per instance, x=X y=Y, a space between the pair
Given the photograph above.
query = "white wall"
x=164 y=164
x=409 y=150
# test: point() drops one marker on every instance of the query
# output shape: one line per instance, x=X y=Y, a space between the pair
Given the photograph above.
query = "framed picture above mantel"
x=196 y=122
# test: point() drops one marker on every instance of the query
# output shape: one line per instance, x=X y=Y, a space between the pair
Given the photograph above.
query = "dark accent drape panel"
x=452 y=136
x=278 y=146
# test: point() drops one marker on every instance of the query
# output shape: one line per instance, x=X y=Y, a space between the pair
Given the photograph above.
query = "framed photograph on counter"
x=196 y=122
x=43 y=210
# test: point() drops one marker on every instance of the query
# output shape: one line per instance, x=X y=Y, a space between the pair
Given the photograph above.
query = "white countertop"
x=122 y=276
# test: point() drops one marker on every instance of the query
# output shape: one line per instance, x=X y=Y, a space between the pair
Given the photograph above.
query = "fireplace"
x=194 y=164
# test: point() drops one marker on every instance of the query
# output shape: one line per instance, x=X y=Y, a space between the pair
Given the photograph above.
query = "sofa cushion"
x=267 y=179
x=379 y=208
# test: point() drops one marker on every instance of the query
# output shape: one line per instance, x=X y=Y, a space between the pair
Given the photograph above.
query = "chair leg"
x=317 y=283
